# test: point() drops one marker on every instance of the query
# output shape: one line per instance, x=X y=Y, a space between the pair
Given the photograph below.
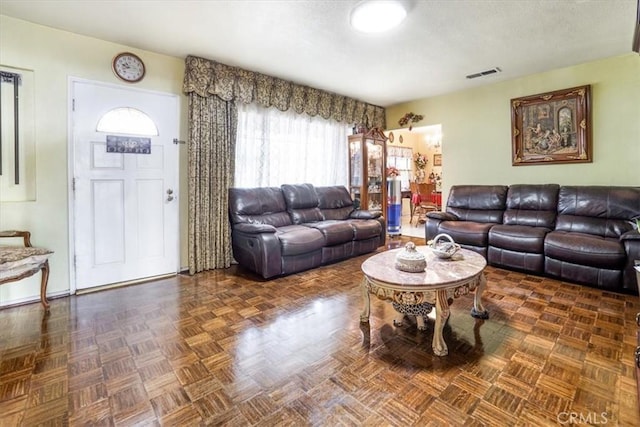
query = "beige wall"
x=55 y=56
x=476 y=127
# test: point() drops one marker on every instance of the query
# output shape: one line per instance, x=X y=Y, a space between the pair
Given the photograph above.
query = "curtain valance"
x=206 y=78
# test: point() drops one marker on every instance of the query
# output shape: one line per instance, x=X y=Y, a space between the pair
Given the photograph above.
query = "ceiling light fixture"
x=376 y=16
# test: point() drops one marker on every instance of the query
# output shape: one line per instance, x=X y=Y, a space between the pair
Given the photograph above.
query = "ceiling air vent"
x=484 y=73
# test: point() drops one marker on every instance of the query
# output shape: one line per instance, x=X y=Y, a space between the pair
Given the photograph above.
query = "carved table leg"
x=420 y=323
x=43 y=285
x=442 y=314
x=364 y=317
x=397 y=321
x=478 y=311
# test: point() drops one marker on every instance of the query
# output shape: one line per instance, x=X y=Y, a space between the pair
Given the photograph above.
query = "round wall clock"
x=129 y=67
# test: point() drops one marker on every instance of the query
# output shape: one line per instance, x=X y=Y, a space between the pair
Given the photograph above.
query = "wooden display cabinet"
x=367 y=170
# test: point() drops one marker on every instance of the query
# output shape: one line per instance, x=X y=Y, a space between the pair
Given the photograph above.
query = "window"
x=275 y=148
x=127 y=120
x=400 y=158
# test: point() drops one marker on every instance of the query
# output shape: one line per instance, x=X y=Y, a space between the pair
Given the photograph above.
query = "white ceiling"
x=310 y=41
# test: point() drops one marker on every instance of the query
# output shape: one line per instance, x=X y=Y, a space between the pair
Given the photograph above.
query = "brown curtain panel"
x=212 y=138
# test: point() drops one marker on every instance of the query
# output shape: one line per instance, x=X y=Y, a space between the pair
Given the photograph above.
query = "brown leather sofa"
x=582 y=234
x=282 y=230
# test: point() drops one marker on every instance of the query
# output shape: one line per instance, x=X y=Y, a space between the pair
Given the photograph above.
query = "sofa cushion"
x=523 y=261
x=334 y=232
x=467 y=232
x=592 y=276
x=334 y=202
x=364 y=229
x=533 y=205
x=585 y=249
x=259 y=206
x=519 y=238
x=302 y=203
x=298 y=239
x=479 y=203
x=598 y=210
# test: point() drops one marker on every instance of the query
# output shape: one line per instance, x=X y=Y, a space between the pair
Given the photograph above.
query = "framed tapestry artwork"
x=551 y=128
x=437 y=160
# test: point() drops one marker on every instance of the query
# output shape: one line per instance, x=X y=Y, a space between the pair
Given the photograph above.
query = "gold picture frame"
x=552 y=127
x=437 y=160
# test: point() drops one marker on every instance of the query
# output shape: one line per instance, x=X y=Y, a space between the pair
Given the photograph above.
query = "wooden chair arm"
x=15 y=233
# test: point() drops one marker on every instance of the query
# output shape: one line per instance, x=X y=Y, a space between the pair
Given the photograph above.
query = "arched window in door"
x=127 y=120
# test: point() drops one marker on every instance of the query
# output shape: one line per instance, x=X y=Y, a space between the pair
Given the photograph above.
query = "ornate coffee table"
x=418 y=293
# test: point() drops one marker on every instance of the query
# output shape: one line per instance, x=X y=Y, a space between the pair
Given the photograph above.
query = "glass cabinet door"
x=367 y=182
x=356 y=167
x=375 y=174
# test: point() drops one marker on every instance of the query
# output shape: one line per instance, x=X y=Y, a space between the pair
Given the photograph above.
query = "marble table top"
x=439 y=272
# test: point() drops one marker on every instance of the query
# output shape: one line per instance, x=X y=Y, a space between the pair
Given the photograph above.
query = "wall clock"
x=128 y=67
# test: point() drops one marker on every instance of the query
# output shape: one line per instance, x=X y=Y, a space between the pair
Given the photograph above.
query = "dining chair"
x=424 y=202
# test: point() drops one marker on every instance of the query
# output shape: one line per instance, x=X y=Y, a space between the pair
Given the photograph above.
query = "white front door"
x=125 y=204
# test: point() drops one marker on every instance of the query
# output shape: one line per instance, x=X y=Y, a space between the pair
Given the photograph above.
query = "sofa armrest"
x=249 y=228
x=256 y=247
x=364 y=214
x=443 y=216
x=630 y=235
x=631 y=242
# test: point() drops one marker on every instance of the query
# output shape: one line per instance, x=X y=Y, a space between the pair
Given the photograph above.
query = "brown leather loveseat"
x=282 y=230
x=582 y=234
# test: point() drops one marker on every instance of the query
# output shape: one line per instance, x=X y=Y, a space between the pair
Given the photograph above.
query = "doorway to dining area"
x=417 y=154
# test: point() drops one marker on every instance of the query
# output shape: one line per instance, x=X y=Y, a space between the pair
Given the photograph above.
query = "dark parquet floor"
x=222 y=348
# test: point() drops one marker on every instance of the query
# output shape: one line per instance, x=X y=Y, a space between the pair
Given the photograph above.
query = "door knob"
x=169 y=191
x=169 y=198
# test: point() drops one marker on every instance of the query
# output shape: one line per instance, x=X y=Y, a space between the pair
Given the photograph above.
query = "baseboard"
x=33 y=299
x=122 y=284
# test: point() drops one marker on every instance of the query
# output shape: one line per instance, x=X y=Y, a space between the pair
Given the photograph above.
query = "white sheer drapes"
x=275 y=147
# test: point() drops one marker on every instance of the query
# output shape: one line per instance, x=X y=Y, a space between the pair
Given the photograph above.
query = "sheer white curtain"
x=275 y=147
